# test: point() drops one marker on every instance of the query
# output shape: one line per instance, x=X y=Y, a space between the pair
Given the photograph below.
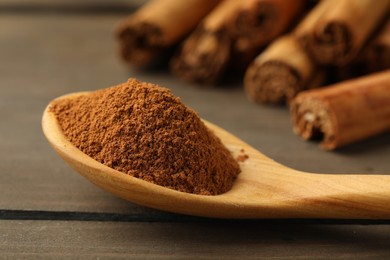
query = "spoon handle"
x=340 y=195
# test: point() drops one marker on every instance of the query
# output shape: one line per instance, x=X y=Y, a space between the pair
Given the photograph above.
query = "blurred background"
x=49 y=48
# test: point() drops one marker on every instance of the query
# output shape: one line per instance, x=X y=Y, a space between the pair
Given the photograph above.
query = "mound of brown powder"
x=143 y=130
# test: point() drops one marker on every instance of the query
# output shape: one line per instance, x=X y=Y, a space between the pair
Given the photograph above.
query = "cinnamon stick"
x=280 y=72
x=258 y=22
x=344 y=113
x=204 y=55
x=159 y=24
x=233 y=33
x=335 y=31
x=377 y=55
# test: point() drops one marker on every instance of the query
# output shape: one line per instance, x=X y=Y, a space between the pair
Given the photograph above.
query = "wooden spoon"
x=263 y=189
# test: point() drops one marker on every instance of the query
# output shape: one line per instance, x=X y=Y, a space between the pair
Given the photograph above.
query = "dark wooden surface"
x=48 y=210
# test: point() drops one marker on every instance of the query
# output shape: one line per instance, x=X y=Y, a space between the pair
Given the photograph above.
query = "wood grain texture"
x=263 y=189
x=207 y=240
x=47 y=55
x=77 y=53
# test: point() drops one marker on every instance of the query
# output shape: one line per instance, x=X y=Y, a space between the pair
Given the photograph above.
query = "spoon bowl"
x=263 y=189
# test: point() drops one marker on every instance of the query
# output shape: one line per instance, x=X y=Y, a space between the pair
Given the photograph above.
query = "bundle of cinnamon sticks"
x=209 y=35
x=309 y=55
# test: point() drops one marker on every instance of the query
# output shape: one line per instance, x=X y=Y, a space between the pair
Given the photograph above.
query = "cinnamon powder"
x=142 y=130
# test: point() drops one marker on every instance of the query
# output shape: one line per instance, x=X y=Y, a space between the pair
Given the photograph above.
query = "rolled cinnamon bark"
x=233 y=33
x=345 y=112
x=280 y=72
x=257 y=22
x=159 y=24
x=335 y=31
x=204 y=55
x=377 y=55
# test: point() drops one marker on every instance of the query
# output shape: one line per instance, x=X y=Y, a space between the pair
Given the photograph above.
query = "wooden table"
x=48 y=210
